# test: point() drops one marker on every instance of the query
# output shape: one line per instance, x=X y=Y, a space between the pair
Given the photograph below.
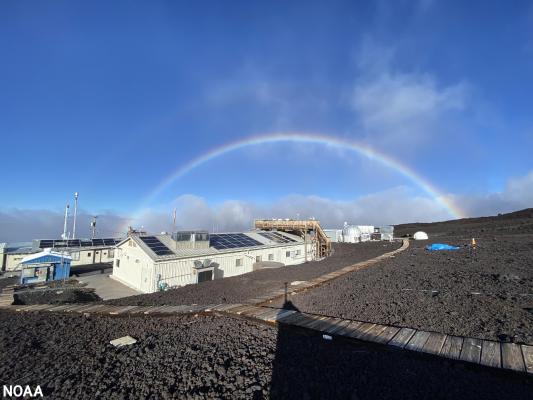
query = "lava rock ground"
x=6 y=281
x=69 y=356
x=59 y=295
x=239 y=288
x=486 y=293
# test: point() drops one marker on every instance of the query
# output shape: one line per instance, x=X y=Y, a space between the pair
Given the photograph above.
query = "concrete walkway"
x=108 y=288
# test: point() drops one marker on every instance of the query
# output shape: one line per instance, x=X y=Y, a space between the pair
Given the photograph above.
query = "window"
x=183 y=237
x=111 y=253
x=117 y=263
x=238 y=262
x=287 y=254
x=258 y=258
x=201 y=237
x=298 y=252
x=271 y=257
x=89 y=254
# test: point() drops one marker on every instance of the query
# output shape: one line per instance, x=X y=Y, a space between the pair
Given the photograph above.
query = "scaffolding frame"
x=301 y=228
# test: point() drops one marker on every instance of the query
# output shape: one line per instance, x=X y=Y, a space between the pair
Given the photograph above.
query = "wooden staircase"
x=301 y=228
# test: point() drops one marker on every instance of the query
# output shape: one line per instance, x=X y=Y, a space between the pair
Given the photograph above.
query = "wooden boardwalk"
x=508 y=356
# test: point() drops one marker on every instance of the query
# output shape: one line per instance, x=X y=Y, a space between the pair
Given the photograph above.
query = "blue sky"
x=108 y=98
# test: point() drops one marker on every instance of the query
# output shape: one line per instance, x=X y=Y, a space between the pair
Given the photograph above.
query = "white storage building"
x=151 y=263
x=335 y=235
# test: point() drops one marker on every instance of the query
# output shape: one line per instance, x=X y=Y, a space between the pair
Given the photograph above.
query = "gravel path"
x=258 y=283
x=219 y=357
x=486 y=294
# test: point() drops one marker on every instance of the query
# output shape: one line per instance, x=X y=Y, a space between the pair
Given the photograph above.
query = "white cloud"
x=389 y=207
x=266 y=101
x=517 y=195
x=24 y=225
x=520 y=190
x=393 y=206
x=397 y=100
x=396 y=109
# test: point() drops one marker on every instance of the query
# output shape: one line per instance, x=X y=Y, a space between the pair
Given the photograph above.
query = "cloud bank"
x=22 y=225
x=393 y=206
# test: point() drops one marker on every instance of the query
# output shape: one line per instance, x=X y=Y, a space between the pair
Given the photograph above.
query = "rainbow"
x=309 y=138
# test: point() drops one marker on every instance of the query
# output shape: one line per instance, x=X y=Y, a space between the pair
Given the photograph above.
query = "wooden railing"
x=300 y=227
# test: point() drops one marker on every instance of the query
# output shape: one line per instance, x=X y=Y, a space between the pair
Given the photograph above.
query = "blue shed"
x=45 y=266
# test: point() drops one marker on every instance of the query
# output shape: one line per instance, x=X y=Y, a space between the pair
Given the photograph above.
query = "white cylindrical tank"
x=365 y=237
x=366 y=229
x=420 y=236
x=351 y=234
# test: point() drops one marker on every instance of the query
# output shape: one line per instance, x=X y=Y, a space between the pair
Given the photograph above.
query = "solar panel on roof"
x=276 y=237
x=156 y=245
x=49 y=243
x=221 y=241
x=43 y=244
x=288 y=239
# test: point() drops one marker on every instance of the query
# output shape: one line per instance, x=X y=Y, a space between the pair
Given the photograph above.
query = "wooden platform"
x=510 y=356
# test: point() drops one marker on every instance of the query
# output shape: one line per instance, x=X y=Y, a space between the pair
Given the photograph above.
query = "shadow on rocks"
x=310 y=366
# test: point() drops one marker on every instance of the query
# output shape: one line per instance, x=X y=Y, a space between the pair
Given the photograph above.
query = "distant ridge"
x=516 y=222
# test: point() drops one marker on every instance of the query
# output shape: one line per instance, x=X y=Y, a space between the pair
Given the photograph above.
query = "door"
x=147 y=285
x=205 y=276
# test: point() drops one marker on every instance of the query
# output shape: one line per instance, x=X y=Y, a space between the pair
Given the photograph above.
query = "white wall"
x=82 y=257
x=133 y=266
x=92 y=256
x=139 y=271
x=13 y=260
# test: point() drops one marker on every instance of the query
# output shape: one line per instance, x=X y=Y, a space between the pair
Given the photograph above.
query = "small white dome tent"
x=420 y=236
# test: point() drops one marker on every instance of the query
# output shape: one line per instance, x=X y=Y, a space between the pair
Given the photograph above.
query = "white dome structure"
x=420 y=236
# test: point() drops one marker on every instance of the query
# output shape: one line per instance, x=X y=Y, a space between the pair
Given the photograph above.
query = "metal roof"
x=45 y=256
x=178 y=253
x=17 y=248
x=76 y=243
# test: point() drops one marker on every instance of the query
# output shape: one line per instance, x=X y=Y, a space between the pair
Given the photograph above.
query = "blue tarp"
x=440 y=246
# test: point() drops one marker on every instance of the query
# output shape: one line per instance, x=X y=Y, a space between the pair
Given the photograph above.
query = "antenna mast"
x=93 y=227
x=64 y=236
x=75 y=214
